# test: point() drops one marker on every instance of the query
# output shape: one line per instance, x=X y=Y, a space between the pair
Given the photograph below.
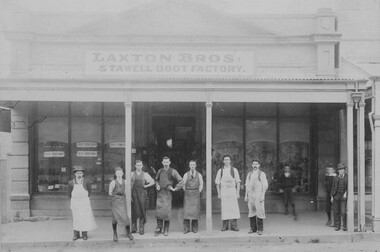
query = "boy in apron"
x=119 y=204
x=256 y=185
x=79 y=190
x=140 y=181
x=228 y=186
x=193 y=185
x=164 y=186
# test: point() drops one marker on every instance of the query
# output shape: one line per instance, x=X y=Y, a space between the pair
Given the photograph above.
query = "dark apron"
x=192 y=201
x=119 y=205
x=139 y=196
x=164 y=196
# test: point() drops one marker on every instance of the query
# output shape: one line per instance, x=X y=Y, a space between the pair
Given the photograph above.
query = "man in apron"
x=193 y=185
x=164 y=186
x=119 y=204
x=228 y=186
x=255 y=187
x=140 y=181
x=79 y=190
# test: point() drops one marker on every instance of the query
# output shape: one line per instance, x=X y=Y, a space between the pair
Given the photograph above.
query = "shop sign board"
x=87 y=153
x=87 y=145
x=117 y=145
x=173 y=63
x=51 y=154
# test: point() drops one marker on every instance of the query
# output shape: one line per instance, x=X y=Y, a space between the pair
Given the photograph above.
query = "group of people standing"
x=168 y=180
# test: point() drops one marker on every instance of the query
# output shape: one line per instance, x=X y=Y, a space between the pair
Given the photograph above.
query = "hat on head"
x=77 y=168
x=340 y=166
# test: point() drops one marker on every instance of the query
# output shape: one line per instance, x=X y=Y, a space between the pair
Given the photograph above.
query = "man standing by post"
x=287 y=183
x=140 y=181
x=79 y=191
x=329 y=178
x=193 y=185
x=256 y=185
x=339 y=197
x=164 y=186
x=228 y=186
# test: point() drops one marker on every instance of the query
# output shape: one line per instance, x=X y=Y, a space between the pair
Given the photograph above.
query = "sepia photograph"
x=189 y=125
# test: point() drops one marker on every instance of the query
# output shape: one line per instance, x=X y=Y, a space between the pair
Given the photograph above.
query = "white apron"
x=255 y=191
x=83 y=218
x=229 y=202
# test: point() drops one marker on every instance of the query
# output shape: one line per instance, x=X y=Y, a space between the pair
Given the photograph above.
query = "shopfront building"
x=104 y=95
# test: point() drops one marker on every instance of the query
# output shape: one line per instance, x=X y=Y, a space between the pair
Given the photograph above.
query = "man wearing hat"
x=339 y=197
x=79 y=190
x=329 y=177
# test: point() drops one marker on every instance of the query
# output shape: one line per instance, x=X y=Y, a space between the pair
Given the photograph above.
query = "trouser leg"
x=336 y=207
x=186 y=225
x=114 y=228
x=166 y=227
x=286 y=200
x=194 y=226
x=253 y=223
x=225 y=224
x=141 y=225
x=343 y=213
x=260 y=224
x=160 y=224
x=134 y=225
x=234 y=225
x=291 y=201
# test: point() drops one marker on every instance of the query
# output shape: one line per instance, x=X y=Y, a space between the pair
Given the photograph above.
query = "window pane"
x=227 y=109
x=294 y=148
x=53 y=172
x=227 y=139
x=261 y=109
x=53 y=108
x=261 y=144
x=114 y=109
x=86 y=109
x=86 y=150
x=294 y=109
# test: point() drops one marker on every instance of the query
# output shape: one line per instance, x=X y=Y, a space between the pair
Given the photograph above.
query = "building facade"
x=198 y=84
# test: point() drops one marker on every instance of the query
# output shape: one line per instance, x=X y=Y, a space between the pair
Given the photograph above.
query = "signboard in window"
x=87 y=145
x=53 y=154
x=87 y=153
x=117 y=145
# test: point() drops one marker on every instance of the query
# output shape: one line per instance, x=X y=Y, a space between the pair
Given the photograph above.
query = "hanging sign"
x=173 y=63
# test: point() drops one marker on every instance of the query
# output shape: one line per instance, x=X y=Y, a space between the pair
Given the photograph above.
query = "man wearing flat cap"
x=339 y=197
x=79 y=191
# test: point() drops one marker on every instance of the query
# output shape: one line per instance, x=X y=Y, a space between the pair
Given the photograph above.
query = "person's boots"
x=114 y=228
x=166 y=228
x=76 y=235
x=260 y=226
x=252 y=224
x=328 y=223
x=128 y=232
x=141 y=231
x=84 y=234
x=134 y=226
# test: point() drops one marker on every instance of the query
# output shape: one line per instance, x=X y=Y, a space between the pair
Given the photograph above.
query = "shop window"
x=294 y=149
x=86 y=149
x=294 y=109
x=53 y=171
x=227 y=109
x=261 y=144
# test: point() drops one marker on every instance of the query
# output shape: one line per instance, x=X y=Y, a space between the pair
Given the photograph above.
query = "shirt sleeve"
x=264 y=181
x=200 y=181
x=179 y=179
x=237 y=176
x=111 y=187
x=217 y=178
x=184 y=181
x=148 y=179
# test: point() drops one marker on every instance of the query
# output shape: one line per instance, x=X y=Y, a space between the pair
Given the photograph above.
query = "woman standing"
x=119 y=204
x=79 y=191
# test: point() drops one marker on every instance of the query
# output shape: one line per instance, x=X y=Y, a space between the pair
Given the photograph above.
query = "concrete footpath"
x=278 y=229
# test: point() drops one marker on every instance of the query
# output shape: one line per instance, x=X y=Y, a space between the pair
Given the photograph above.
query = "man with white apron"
x=79 y=190
x=193 y=185
x=256 y=185
x=228 y=186
x=164 y=186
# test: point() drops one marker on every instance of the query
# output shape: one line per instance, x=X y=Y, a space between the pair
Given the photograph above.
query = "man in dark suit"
x=339 y=197
x=287 y=183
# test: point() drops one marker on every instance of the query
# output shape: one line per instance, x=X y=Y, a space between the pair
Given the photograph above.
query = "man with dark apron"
x=193 y=185
x=140 y=181
x=119 y=204
x=164 y=186
x=79 y=190
x=228 y=186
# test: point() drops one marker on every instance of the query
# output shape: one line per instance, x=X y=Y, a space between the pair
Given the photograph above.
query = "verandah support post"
x=128 y=154
x=376 y=157
x=209 y=168
x=361 y=167
x=350 y=166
